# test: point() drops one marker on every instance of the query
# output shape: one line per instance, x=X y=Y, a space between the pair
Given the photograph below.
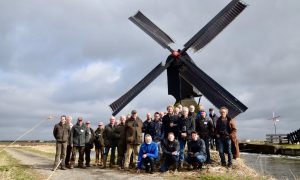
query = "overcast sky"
x=76 y=57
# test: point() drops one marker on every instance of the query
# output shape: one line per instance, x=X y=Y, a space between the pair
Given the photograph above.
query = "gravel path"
x=43 y=165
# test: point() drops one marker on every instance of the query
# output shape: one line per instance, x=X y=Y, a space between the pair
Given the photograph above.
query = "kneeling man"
x=147 y=154
x=196 y=155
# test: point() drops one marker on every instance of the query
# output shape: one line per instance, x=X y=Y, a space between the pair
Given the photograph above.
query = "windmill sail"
x=151 y=29
x=120 y=103
x=215 y=26
x=214 y=92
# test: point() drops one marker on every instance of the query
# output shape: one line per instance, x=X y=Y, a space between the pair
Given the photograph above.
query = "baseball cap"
x=133 y=112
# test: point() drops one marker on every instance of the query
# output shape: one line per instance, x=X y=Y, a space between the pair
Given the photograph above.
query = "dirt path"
x=43 y=165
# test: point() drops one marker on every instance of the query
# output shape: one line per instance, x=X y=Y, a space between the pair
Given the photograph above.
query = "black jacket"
x=166 y=128
x=120 y=134
x=196 y=147
x=109 y=136
x=204 y=127
x=169 y=146
x=186 y=125
x=148 y=127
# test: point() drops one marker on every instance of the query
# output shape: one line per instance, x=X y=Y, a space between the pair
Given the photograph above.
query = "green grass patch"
x=10 y=168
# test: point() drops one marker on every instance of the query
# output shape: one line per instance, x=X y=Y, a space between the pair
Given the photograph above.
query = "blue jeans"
x=168 y=161
x=207 y=149
x=182 y=144
x=200 y=159
x=112 y=154
x=225 y=146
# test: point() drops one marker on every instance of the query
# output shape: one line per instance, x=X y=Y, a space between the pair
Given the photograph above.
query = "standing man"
x=89 y=143
x=170 y=148
x=169 y=123
x=121 y=146
x=78 y=139
x=99 y=143
x=186 y=126
x=133 y=133
x=214 y=117
x=225 y=133
x=61 y=133
x=110 y=141
x=192 y=112
x=148 y=126
x=69 y=148
x=204 y=127
x=147 y=155
x=196 y=155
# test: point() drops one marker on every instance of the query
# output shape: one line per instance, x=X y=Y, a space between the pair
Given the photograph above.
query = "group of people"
x=165 y=141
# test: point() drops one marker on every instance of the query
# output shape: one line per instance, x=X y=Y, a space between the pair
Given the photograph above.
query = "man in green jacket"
x=61 y=133
x=78 y=138
x=133 y=134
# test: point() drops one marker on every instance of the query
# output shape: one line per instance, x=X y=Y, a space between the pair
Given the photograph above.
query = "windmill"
x=275 y=120
x=185 y=79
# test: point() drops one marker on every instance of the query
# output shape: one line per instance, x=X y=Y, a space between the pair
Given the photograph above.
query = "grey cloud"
x=43 y=43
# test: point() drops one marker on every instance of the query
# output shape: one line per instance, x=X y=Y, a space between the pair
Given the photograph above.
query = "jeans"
x=168 y=161
x=225 y=146
x=87 y=152
x=207 y=149
x=68 y=155
x=200 y=159
x=61 y=148
x=112 y=154
x=182 y=144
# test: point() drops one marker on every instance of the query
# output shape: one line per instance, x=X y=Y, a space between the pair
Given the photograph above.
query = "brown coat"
x=232 y=135
x=133 y=131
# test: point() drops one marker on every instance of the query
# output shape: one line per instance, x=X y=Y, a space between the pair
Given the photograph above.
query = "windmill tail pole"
x=31 y=129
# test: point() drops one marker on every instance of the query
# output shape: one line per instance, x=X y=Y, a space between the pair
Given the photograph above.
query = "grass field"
x=10 y=168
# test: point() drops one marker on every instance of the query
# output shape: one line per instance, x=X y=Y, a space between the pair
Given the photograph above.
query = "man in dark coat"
x=186 y=125
x=120 y=137
x=89 y=143
x=61 y=133
x=170 y=148
x=133 y=133
x=110 y=141
x=214 y=117
x=99 y=144
x=196 y=154
x=226 y=137
x=204 y=127
x=69 y=148
x=78 y=140
x=169 y=123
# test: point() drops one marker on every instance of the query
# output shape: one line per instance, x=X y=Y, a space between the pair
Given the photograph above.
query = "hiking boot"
x=223 y=164
x=229 y=165
x=190 y=167
x=88 y=165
